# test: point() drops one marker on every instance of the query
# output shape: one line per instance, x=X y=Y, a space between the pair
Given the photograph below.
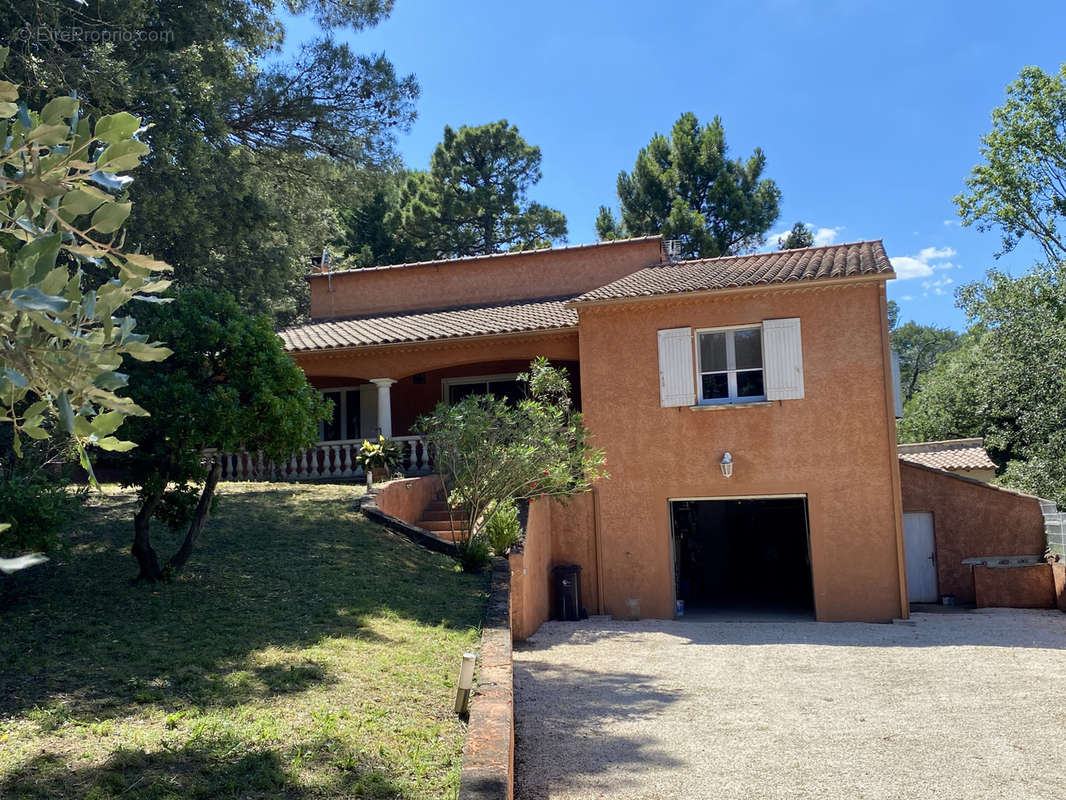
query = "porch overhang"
x=408 y=358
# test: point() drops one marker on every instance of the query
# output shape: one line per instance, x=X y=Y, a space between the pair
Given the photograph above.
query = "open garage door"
x=744 y=555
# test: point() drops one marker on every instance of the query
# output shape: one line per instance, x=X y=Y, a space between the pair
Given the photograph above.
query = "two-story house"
x=745 y=405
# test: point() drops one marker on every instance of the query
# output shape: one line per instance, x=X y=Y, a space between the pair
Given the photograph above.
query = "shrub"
x=473 y=553
x=38 y=507
x=503 y=530
x=490 y=452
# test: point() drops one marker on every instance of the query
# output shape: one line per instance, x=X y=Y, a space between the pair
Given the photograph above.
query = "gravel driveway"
x=966 y=705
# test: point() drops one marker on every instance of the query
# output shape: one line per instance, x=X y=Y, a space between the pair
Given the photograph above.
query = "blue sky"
x=869 y=114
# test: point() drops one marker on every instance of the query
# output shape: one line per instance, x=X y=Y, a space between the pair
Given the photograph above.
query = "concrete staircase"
x=435 y=520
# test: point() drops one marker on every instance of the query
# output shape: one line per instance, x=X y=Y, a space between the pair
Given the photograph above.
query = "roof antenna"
x=673 y=249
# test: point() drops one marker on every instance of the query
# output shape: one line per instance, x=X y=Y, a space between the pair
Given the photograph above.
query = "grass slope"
x=305 y=653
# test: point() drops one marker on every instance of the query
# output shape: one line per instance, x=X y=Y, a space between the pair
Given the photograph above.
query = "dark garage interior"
x=742 y=555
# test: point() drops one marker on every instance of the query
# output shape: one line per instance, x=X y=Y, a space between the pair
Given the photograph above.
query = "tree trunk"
x=199 y=519
x=142 y=545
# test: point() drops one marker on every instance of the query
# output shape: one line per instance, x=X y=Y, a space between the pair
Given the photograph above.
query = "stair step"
x=438 y=525
x=442 y=515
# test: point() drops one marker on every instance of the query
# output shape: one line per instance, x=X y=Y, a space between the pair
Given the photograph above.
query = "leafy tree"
x=1006 y=382
x=64 y=274
x=893 y=314
x=490 y=452
x=473 y=201
x=230 y=386
x=800 y=236
x=1020 y=189
x=919 y=347
x=685 y=187
x=253 y=156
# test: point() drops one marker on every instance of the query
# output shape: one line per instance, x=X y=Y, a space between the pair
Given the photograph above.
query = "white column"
x=384 y=405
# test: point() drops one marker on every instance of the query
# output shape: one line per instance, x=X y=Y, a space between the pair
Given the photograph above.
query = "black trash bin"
x=567 y=593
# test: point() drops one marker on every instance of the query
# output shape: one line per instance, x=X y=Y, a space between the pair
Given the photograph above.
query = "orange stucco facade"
x=835 y=446
x=488 y=279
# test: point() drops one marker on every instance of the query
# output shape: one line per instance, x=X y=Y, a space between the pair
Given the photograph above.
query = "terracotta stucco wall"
x=530 y=573
x=405 y=499
x=836 y=446
x=1016 y=587
x=971 y=519
x=555 y=534
x=478 y=280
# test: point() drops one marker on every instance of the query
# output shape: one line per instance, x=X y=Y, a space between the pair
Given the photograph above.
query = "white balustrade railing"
x=323 y=461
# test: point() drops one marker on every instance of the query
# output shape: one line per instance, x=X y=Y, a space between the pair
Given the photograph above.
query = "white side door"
x=920 y=548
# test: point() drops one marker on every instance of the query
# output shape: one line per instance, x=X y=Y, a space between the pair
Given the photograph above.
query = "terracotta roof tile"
x=784 y=266
x=952 y=454
x=424 y=326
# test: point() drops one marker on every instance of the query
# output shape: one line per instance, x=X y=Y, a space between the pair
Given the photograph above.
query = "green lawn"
x=304 y=653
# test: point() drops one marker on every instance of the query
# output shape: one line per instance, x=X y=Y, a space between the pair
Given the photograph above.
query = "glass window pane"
x=749 y=384
x=331 y=429
x=457 y=392
x=509 y=390
x=352 y=407
x=712 y=352
x=715 y=387
x=749 y=348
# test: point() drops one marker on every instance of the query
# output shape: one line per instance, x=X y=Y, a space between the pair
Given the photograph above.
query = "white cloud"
x=936 y=283
x=907 y=298
x=949 y=222
x=825 y=236
x=922 y=265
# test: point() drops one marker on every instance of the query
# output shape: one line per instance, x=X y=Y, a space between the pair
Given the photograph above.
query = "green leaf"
x=84 y=200
x=116 y=127
x=8 y=110
x=115 y=445
x=147 y=262
x=55 y=281
x=109 y=218
x=9 y=92
x=35 y=260
x=111 y=380
x=107 y=423
x=122 y=155
x=66 y=412
x=86 y=465
x=48 y=135
x=3 y=60
x=58 y=109
x=35 y=432
x=36 y=300
x=147 y=352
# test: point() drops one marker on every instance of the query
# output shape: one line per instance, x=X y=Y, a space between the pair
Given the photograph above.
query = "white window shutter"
x=897 y=391
x=677 y=375
x=782 y=359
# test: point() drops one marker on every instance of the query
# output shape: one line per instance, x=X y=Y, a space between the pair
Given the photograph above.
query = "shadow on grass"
x=194 y=773
x=560 y=716
x=278 y=567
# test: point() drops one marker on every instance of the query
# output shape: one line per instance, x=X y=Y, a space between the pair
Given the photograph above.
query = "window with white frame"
x=731 y=365
x=504 y=386
x=344 y=424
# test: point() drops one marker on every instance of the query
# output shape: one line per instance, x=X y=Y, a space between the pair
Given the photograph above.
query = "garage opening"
x=750 y=555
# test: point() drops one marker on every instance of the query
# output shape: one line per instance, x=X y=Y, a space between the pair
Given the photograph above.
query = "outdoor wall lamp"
x=727 y=465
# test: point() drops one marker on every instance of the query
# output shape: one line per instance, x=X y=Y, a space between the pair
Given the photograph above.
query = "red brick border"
x=488 y=756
